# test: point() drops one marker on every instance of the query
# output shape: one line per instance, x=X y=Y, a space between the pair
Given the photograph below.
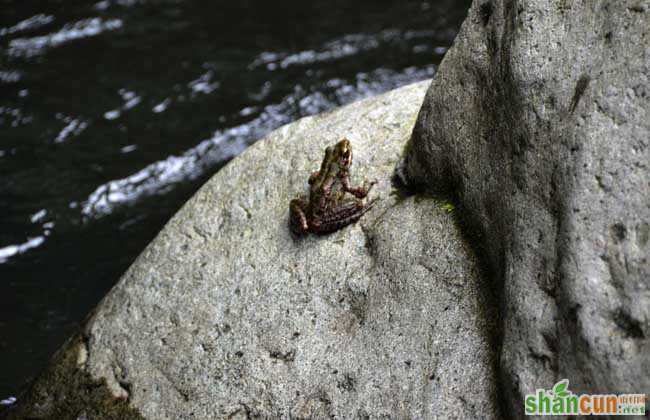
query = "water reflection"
x=130 y=100
x=346 y=46
x=28 y=24
x=10 y=76
x=29 y=47
x=12 y=250
x=73 y=127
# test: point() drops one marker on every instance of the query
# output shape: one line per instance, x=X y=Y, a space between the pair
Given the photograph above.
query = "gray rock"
x=225 y=315
x=538 y=124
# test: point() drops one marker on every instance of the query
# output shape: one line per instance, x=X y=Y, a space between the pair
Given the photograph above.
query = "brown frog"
x=328 y=209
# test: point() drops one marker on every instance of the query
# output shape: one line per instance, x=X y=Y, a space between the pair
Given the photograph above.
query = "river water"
x=113 y=112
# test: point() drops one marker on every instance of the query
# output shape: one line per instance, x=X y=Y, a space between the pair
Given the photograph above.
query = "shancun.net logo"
x=560 y=401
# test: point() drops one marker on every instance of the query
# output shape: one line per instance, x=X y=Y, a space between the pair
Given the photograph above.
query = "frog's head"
x=343 y=153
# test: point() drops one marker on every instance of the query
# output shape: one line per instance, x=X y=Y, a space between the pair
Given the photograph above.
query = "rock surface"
x=538 y=122
x=226 y=315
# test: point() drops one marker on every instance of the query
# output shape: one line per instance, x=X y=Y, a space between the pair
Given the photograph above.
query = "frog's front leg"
x=324 y=199
x=298 y=216
x=359 y=192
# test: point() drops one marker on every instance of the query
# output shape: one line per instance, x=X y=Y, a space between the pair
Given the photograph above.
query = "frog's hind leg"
x=297 y=217
x=345 y=214
x=313 y=176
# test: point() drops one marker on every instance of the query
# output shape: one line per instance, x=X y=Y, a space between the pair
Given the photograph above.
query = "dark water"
x=113 y=113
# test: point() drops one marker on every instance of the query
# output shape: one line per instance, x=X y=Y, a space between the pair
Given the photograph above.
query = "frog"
x=329 y=207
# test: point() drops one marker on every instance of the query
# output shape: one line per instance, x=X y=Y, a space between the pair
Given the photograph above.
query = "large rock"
x=538 y=123
x=225 y=315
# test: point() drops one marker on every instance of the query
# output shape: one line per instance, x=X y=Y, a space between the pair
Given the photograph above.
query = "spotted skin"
x=328 y=207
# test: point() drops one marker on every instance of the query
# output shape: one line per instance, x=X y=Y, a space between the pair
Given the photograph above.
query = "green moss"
x=448 y=207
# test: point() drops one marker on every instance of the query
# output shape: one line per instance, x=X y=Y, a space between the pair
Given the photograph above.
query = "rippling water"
x=113 y=113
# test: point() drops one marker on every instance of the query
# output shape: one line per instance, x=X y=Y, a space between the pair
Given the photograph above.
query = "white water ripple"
x=345 y=46
x=161 y=176
x=13 y=250
x=29 y=47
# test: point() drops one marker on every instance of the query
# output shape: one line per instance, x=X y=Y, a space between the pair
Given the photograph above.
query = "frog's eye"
x=347 y=156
